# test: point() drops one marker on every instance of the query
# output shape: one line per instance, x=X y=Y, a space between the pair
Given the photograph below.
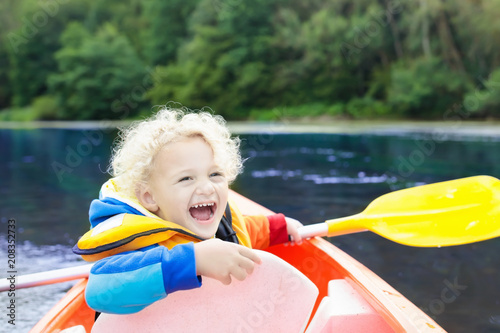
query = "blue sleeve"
x=128 y=282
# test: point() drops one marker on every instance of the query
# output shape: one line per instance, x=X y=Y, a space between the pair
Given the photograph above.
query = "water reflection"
x=47 y=179
x=49 y=176
x=318 y=177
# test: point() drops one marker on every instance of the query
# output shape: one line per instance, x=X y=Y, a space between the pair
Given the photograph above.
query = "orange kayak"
x=351 y=297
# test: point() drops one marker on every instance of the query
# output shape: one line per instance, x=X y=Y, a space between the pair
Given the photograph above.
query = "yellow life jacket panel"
x=128 y=232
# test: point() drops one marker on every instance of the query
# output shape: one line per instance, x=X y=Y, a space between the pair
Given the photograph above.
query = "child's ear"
x=146 y=198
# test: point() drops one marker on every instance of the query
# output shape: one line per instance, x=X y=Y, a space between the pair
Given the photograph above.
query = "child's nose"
x=205 y=187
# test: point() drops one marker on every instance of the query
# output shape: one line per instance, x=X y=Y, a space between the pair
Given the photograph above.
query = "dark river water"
x=49 y=176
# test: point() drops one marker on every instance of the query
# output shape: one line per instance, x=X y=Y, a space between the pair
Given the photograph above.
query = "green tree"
x=166 y=28
x=125 y=15
x=274 y=53
x=362 y=58
x=426 y=88
x=8 y=11
x=477 y=31
x=225 y=64
x=32 y=46
x=97 y=74
x=483 y=102
x=5 y=88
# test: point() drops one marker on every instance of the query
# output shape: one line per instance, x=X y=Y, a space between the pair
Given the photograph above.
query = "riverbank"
x=461 y=128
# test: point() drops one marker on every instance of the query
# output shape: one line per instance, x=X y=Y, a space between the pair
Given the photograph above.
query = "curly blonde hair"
x=134 y=154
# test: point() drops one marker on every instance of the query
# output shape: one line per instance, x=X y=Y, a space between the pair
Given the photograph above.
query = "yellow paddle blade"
x=449 y=213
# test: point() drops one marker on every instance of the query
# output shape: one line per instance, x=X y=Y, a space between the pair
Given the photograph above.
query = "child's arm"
x=128 y=282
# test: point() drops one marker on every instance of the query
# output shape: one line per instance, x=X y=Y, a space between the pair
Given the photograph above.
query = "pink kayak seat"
x=276 y=297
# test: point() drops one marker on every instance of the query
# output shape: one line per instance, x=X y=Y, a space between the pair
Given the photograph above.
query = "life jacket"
x=132 y=231
x=128 y=232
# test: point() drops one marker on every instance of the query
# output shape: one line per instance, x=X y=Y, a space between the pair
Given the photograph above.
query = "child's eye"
x=184 y=179
x=215 y=174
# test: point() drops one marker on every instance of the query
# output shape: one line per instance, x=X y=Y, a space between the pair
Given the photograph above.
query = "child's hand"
x=221 y=260
x=292 y=226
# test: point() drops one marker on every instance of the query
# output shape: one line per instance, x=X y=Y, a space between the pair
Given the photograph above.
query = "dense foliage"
x=260 y=59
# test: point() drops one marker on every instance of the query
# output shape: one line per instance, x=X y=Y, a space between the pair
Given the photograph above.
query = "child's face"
x=187 y=187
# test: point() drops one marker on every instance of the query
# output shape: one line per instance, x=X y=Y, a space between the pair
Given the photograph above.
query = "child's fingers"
x=292 y=228
x=240 y=273
x=247 y=264
x=225 y=279
x=296 y=238
x=248 y=253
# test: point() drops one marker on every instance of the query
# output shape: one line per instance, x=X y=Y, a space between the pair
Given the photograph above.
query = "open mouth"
x=203 y=212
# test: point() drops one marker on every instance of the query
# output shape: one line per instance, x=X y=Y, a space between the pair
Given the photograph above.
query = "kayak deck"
x=351 y=297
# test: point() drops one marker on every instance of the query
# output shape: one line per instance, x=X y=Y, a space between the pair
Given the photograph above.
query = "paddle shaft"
x=332 y=228
x=14 y=282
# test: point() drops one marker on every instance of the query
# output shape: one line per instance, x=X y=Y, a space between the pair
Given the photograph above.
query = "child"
x=158 y=224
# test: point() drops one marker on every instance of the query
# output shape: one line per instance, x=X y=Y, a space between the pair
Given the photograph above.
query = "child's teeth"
x=203 y=205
